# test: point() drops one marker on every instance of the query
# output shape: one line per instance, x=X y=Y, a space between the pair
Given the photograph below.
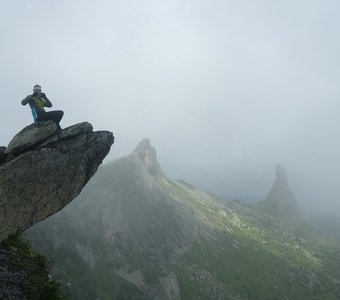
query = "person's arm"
x=26 y=100
x=48 y=103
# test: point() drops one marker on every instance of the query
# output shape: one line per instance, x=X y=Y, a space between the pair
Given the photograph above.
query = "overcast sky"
x=224 y=89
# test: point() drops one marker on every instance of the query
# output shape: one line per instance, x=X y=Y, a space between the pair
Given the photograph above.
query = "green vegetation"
x=255 y=256
x=189 y=288
x=133 y=229
x=38 y=286
x=19 y=243
x=256 y=274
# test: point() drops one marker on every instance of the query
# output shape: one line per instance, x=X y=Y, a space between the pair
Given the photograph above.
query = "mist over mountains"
x=135 y=234
x=235 y=86
x=225 y=90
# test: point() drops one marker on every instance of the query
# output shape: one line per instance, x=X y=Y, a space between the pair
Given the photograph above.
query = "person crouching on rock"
x=37 y=101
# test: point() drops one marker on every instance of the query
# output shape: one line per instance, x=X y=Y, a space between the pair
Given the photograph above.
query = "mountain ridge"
x=135 y=234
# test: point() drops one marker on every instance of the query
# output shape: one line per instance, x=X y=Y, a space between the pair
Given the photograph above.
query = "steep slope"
x=41 y=171
x=135 y=234
x=137 y=219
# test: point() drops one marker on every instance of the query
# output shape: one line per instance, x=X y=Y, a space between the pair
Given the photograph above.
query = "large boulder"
x=30 y=136
x=44 y=171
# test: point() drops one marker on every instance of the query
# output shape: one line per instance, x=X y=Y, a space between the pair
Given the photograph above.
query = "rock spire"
x=148 y=155
x=280 y=200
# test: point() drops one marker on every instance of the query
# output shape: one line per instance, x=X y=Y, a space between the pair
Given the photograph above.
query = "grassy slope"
x=256 y=257
x=247 y=255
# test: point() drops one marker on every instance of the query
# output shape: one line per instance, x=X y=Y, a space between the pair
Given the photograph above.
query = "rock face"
x=23 y=274
x=30 y=136
x=280 y=200
x=2 y=153
x=147 y=154
x=41 y=171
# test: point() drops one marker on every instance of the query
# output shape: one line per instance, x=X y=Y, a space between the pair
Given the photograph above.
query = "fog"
x=223 y=89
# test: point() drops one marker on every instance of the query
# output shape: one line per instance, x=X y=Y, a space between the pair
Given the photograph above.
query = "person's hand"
x=43 y=95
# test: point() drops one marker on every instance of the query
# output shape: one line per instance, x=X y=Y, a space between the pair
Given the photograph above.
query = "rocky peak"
x=147 y=154
x=280 y=200
x=42 y=170
x=281 y=173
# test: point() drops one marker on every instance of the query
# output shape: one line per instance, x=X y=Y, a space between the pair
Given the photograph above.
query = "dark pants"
x=55 y=116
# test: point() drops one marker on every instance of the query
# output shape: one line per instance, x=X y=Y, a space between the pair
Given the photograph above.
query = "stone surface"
x=76 y=129
x=2 y=154
x=30 y=136
x=40 y=182
x=11 y=274
x=147 y=154
x=69 y=132
x=22 y=275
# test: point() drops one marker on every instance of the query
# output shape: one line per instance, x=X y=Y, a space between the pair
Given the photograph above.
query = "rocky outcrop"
x=146 y=153
x=42 y=170
x=280 y=200
x=23 y=274
x=30 y=136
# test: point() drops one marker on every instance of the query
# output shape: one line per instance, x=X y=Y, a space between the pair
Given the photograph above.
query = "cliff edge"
x=42 y=170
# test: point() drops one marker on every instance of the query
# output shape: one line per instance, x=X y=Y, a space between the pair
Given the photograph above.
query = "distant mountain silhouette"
x=280 y=201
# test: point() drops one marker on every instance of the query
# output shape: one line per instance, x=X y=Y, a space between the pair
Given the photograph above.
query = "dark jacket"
x=37 y=102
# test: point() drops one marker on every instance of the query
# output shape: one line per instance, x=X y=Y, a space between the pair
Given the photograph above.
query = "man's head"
x=37 y=88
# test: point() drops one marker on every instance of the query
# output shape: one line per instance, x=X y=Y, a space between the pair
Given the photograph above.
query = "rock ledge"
x=41 y=171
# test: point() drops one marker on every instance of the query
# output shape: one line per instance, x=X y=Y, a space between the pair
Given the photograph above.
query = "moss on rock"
x=24 y=274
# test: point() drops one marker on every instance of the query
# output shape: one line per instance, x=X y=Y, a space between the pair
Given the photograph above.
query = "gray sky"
x=224 y=89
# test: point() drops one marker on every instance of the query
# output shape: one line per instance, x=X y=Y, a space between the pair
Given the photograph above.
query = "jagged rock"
x=148 y=155
x=41 y=181
x=75 y=130
x=30 y=136
x=2 y=153
x=69 y=132
x=280 y=200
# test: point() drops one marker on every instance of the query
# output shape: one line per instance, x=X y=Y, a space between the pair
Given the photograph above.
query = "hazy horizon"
x=223 y=89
